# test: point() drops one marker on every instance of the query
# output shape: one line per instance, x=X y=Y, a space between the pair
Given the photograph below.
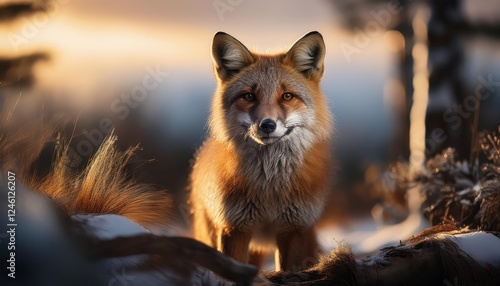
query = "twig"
x=185 y=249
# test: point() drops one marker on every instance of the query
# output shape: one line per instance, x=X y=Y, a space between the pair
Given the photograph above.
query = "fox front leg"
x=234 y=243
x=297 y=250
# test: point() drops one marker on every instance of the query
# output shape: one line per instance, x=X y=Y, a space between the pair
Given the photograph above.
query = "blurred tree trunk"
x=16 y=72
x=402 y=137
x=446 y=88
x=12 y=10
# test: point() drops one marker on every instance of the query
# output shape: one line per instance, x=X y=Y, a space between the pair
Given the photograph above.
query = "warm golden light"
x=394 y=41
x=420 y=91
x=394 y=95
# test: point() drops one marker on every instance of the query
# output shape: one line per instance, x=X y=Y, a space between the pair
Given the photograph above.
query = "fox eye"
x=249 y=96
x=287 y=96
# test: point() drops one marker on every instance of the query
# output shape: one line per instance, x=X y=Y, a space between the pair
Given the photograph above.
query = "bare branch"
x=185 y=250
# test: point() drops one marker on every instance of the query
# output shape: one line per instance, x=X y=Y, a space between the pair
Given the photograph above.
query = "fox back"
x=260 y=179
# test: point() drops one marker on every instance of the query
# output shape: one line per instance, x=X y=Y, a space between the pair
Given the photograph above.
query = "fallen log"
x=436 y=256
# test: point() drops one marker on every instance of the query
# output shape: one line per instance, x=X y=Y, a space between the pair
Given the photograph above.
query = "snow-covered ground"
x=366 y=236
x=483 y=247
x=109 y=226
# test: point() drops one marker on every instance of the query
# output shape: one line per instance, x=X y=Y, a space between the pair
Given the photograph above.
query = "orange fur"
x=253 y=190
x=102 y=187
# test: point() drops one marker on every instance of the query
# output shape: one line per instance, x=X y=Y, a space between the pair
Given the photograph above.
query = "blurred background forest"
x=404 y=79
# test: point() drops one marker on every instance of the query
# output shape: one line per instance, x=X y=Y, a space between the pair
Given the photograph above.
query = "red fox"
x=261 y=178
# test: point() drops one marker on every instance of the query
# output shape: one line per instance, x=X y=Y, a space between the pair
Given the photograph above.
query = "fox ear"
x=307 y=55
x=229 y=56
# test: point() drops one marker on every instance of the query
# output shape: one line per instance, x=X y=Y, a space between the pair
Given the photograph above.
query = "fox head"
x=267 y=99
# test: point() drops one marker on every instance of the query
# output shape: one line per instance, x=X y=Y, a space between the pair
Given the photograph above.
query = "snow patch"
x=109 y=226
x=365 y=237
x=483 y=247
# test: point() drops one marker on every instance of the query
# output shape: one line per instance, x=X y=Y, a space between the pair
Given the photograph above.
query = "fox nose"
x=267 y=125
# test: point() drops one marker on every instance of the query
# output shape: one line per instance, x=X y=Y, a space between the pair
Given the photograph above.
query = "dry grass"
x=101 y=187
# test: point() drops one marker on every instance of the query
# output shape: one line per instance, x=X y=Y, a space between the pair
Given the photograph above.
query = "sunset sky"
x=99 y=50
